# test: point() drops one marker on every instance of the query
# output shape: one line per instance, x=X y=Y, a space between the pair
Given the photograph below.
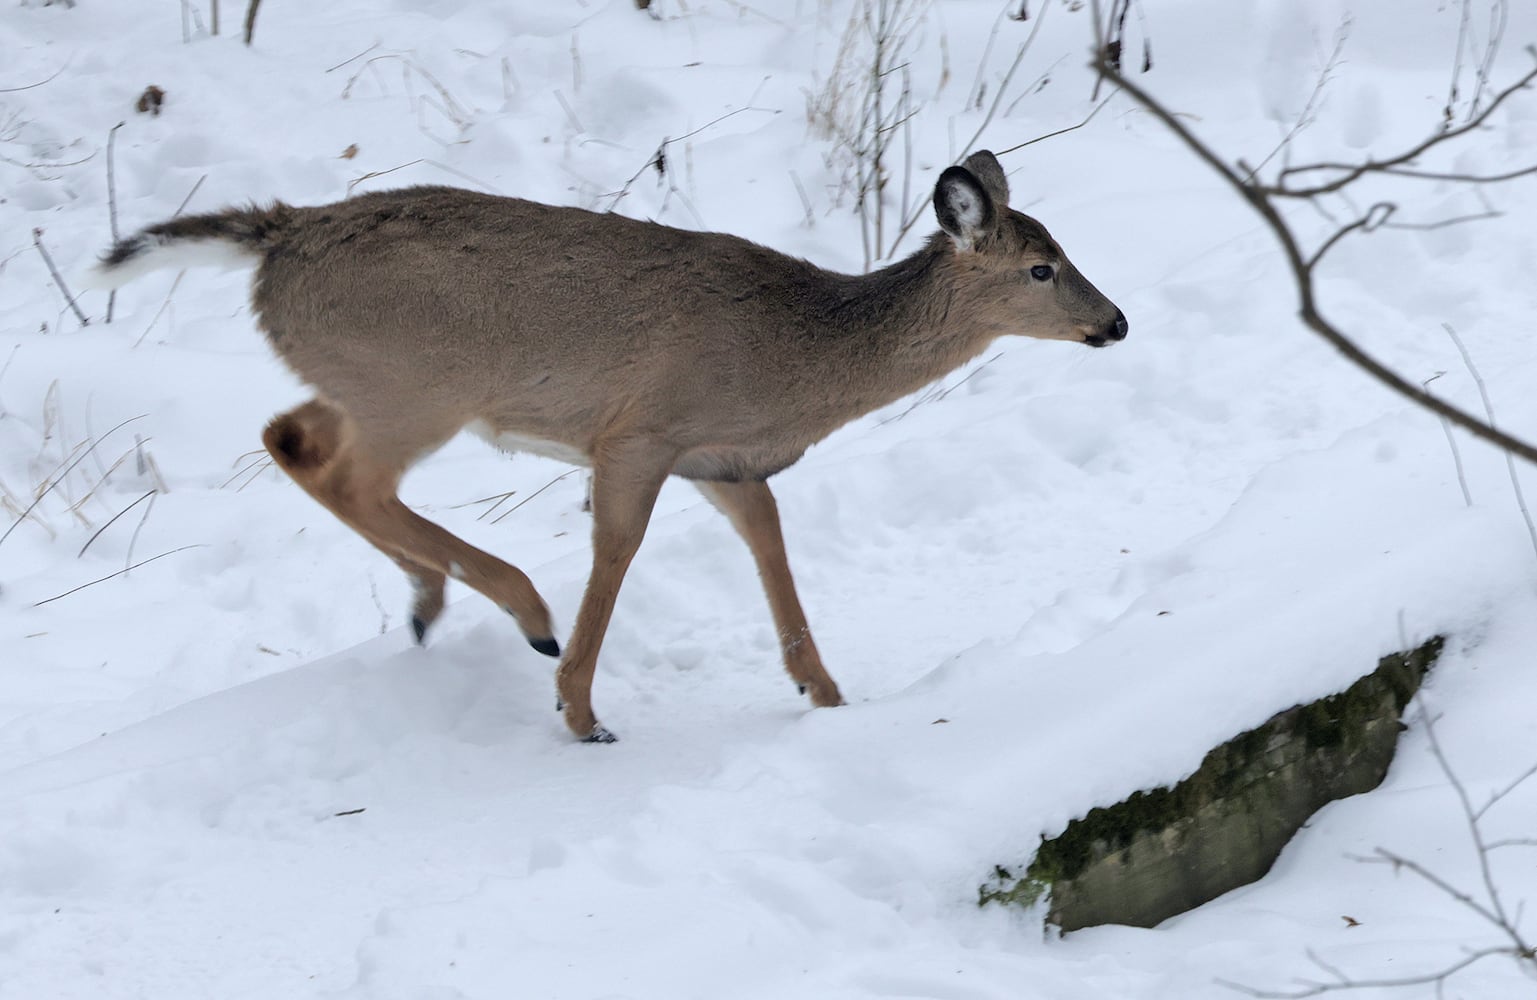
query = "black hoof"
x=419 y=629
x=548 y=646
x=560 y=706
x=600 y=735
x=801 y=688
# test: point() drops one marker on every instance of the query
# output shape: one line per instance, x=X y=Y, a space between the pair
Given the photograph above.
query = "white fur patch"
x=514 y=443
x=174 y=255
x=968 y=209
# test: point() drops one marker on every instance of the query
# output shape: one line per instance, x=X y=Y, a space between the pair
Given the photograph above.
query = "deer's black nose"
x=1117 y=330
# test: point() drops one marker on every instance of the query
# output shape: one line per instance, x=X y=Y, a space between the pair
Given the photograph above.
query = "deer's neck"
x=898 y=329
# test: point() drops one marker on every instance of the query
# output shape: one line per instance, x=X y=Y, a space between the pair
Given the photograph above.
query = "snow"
x=1061 y=577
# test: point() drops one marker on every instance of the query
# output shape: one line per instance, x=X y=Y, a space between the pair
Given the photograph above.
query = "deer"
x=635 y=349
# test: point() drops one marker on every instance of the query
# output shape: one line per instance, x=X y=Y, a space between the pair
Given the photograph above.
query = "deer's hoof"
x=547 y=645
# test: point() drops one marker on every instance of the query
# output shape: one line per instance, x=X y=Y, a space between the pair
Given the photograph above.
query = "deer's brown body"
x=637 y=349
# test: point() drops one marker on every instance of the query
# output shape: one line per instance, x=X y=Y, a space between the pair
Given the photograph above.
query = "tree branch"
x=1395 y=164
x=1260 y=198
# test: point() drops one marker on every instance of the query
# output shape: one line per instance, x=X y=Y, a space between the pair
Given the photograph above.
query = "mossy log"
x=1167 y=850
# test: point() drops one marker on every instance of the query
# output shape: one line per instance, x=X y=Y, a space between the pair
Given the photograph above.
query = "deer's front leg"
x=625 y=482
x=755 y=515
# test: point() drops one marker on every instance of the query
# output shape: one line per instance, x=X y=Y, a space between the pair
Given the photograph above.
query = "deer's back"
x=546 y=319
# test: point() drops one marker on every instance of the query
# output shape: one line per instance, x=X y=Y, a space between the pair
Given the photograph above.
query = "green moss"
x=1335 y=721
x=1340 y=720
x=1010 y=890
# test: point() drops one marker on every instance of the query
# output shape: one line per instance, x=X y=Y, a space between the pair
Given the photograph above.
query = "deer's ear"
x=985 y=167
x=964 y=207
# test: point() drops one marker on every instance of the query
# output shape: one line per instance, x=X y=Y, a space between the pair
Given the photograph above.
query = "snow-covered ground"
x=230 y=773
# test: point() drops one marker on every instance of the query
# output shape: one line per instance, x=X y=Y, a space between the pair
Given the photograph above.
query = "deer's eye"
x=1043 y=272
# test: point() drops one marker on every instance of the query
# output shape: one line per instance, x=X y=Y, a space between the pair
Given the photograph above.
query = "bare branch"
x=113 y=518
x=1061 y=131
x=1310 y=989
x=58 y=279
x=1375 y=216
x=411 y=163
x=1259 y=198
x=1381 y=856
x=1512 y=842
x=250 y=20
x=1310 y=107
x=514 y=507
x=1493 y=912
x=120 y=572
x=32 y=86
x=658 y=160
x=1399 y=165
x=1510 y=463
x=58 y=475
x=1497 y=796
x=1499 y=918
x=112 y=208
x=1419 y=175
x=182 y=207
x=1451 y=442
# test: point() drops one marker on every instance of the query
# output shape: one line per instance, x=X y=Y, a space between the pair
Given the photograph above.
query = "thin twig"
x=133 y=539
x=1493 y=912
x=811 y=219
x=1397 y=165
x=47 y=79
x=111 y=208
x=500 y=499
x=163 y=306
x=113 y=518
x=576 y=123
x=1450 y=111
x=58 y=475
x=1309 y=108
x=411 y=163
x=1451 y=442
x=3 y=369
x=526 y=499
x=1375 y=217
x=1309 y=989
x=354 y=59
x=119 y=573
x=45 y=164
x=37 y=241
x=658 y=159
x=1512 y=786
x=373 y=591
x=112 y=185
x=1003 y=87
x=1061 y=131
x=1381 y=856
x=1510 y=463
x=182 y=207
x=255 y=457
x=250 y=20
x=916 y=211
x=1496 y=910
x=1500 y=15
x=939 y=394
x=1259 y=199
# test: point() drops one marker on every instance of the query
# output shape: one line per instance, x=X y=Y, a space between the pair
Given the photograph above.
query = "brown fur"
x=641 y=350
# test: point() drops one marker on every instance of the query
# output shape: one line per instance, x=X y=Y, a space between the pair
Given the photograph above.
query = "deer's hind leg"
x=426 y=595
x=355 y=475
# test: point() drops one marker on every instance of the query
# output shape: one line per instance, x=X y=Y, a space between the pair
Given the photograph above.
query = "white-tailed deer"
x=633 y=348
